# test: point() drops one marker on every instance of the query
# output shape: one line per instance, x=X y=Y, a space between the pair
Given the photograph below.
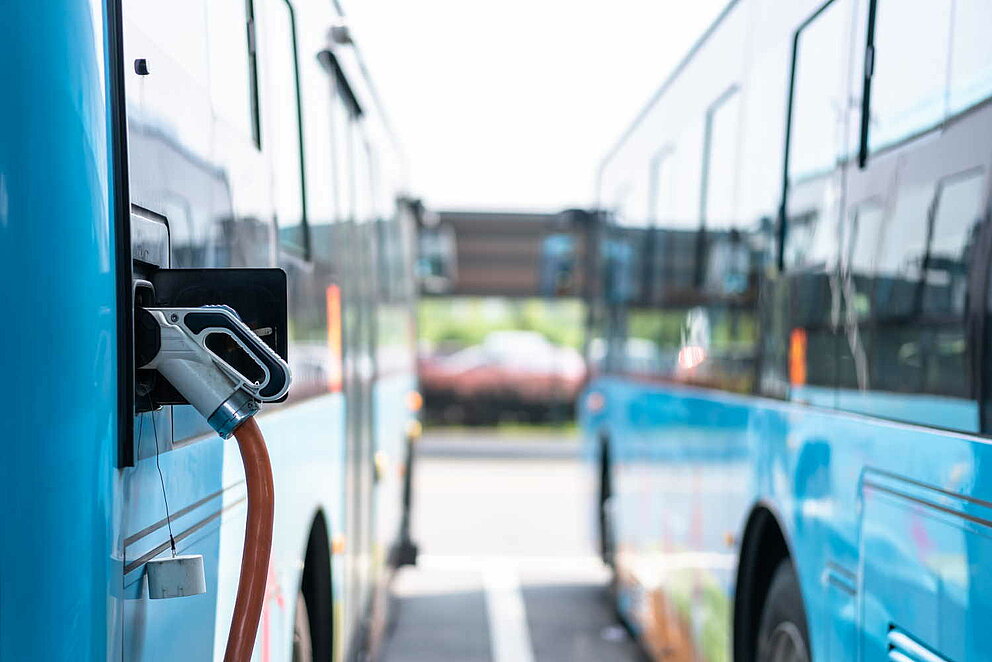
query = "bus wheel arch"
x=316 y=591
x=764 y=548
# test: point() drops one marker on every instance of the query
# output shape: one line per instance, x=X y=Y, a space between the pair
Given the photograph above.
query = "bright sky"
x=512 y=104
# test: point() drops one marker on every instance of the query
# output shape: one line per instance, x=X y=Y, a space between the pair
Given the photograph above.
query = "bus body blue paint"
x=875 y=512
x=60 y=583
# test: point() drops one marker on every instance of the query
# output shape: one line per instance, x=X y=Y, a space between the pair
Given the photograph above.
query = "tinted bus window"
x=811 y=242
x=896 y=339
x=900 y=259
x=912 y=39
x=971 y=54
x=282 y=122
x=913 y=339
x=230 y=75
x=955 y=220
x=819 y=99
x=862 y=243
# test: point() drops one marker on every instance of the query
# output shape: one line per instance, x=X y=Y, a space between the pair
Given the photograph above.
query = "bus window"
x=955 y=222
x=317 y=100
x=384 y=249
x=911 y=337
x=662 y=187
x=281 y=135
x=231 y=78
x=896 y=358
x=971 y=54
x=725 y=269
x=863 y=240
x=811 y=242
x=818 y=98
x=675 y=262
x=899 y=262
x=173 y=38
x=912 y=39
x=365 y=177
x=341 y=134
x=810 y=258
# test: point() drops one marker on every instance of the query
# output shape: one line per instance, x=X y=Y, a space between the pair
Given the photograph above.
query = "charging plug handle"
x=222 y=394
x=202 y=322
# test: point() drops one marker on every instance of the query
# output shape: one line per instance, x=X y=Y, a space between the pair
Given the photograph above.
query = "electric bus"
x=789 y=416
x=209 y=140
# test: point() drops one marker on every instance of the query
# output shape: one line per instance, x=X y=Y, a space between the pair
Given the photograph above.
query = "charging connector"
x=217 y=387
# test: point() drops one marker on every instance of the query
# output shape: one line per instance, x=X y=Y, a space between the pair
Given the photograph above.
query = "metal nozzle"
x=232 y=412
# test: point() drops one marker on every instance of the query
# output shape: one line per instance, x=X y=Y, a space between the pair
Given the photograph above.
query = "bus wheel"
x=782 y=634
x=302 y=643
x=607 y=540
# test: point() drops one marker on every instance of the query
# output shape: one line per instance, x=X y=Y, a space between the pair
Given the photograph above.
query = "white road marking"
x=508 y=634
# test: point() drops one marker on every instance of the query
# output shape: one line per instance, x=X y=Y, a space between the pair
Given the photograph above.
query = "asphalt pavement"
x=507 y=569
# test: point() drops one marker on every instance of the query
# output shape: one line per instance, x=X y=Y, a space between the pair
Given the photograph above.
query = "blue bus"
x=789 y=415
x=139 y=139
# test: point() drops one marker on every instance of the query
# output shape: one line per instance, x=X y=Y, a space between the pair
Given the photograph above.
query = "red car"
x=517 y=373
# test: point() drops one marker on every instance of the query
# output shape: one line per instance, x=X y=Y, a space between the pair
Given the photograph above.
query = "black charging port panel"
x=258 y=296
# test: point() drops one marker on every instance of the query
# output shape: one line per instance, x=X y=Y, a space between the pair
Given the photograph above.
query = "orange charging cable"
x=258 y=542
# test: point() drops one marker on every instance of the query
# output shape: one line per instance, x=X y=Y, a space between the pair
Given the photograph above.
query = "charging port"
x=147 y=341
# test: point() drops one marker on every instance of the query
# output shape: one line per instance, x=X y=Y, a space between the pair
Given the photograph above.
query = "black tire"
x=782 y=633
x=607 y=539
x=317 y=596
x=302 y=641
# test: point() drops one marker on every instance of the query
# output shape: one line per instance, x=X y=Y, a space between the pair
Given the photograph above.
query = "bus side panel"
x=191 y=480
x=887 y=523
x=392 y=419
x=682 y=485
x=902 y=512
x=60 y=579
